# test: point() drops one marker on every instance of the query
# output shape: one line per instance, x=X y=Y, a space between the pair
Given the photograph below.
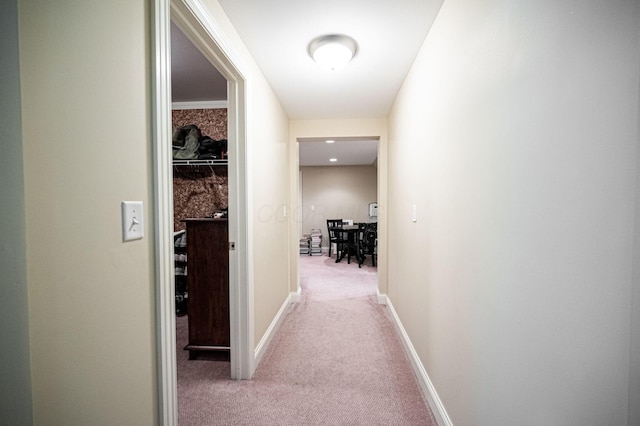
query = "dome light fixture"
x=333 y=51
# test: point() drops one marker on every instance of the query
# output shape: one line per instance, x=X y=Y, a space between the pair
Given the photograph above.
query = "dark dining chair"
x=335 y=237
x=360 y=243
x=370 y=244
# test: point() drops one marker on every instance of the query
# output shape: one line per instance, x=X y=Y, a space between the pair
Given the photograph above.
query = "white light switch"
x=414 y=213
x=132 y=223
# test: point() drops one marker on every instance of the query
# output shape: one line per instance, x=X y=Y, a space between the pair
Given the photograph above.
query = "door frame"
x=197 y=24
x=381 y=183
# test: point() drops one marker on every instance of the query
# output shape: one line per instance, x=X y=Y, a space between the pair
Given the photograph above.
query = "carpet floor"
x=336 y=360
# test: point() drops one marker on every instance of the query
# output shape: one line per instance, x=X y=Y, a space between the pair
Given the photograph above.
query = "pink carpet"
x=336 y=360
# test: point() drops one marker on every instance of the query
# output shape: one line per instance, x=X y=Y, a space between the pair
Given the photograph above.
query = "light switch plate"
x=414 y=213
x=132 y=220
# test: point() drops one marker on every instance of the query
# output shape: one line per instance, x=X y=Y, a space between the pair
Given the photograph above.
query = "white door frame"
x=194 y=20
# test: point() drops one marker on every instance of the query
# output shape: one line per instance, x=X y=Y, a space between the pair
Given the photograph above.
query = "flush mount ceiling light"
x=333 y=51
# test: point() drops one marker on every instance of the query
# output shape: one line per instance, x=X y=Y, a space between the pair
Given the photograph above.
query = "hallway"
x=335 y=360
x=509 y=211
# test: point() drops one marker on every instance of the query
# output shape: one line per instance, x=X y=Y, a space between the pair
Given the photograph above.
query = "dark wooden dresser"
x=208 y=285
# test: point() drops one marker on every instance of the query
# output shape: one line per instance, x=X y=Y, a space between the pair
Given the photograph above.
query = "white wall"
x=15 y=379
x=339 y=192
x=269 y=158
x=515 y=135
x=85 y=75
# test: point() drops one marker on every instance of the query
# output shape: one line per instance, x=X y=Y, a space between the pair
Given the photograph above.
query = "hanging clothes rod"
x=211 y=162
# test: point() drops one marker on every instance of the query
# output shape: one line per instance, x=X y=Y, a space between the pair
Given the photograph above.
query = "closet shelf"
x=212 y=162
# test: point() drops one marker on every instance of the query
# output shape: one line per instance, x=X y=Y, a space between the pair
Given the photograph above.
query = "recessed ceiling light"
x=333 y=160
x=333 y=51
x=330 y=141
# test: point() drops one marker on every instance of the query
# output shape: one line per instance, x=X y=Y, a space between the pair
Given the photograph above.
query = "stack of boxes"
x=305 y=241
x=315 y=244
x=311 y=244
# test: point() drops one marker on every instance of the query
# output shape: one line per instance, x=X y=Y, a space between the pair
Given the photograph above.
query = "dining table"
x=350 y=234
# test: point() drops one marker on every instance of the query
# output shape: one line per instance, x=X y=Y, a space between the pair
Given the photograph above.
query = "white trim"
x=262 y=346
x=217 y=35
x=241 y=294
x=296 y=296
x=382 y=298
x=200 y=105
x=429 y=391
x=163 y=220
x=298 y=222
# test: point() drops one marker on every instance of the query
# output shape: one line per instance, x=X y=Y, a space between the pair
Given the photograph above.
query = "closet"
x=200 y=194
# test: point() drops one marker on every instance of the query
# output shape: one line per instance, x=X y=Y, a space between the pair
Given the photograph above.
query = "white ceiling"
x=277 y=32
x=389 y=34
x=347 y=152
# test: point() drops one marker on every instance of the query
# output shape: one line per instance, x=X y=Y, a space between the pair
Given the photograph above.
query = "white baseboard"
x=261 y=348
x=429 y=391
x=295 y=297
x=382 y=298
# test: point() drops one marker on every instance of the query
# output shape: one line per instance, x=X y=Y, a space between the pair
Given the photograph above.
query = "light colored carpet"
x=336 y=360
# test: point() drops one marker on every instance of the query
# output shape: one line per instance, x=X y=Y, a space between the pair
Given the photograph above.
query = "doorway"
x=338 y=179
x=200 y=201
x=198 y=26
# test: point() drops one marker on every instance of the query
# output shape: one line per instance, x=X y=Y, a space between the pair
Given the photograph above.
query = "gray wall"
x=338 y=192
x=15 y=383
x=634 y=366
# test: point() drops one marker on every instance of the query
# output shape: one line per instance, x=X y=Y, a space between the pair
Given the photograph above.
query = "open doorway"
x=320 y=130
x=206 y=36
x=200 y=203
x=200 y=211
x=339 y=181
